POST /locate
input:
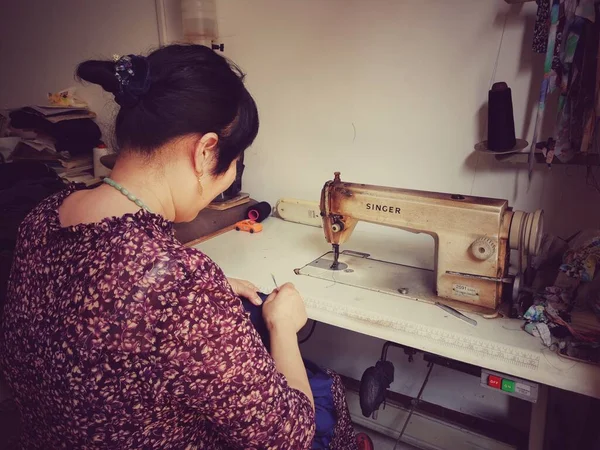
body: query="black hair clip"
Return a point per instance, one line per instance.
(133, 74)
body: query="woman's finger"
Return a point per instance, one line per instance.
(250, 291)
(243, 288)
(272, 295)
(252, 286)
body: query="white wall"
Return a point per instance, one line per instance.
(42, 42)
(392, 92)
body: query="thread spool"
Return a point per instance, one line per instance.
(259, 212)
(501, 122)
(100, 170)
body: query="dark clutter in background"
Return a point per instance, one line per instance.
(563, 307)
(63, 135)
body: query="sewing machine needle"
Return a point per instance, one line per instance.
(336, 256)
(455, 313)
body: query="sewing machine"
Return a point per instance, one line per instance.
(473, 237)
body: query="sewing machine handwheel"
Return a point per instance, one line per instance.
(537, 231)
(526, 230)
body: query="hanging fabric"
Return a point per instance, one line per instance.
(548, 76)
(542, 26)
(572, 68)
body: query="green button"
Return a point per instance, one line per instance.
(508, 385)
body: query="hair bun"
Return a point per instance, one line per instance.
(99, 72)
(133, 75)
(127, 79)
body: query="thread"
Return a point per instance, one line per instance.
(259, 212)
(501, 123)
(491, 83)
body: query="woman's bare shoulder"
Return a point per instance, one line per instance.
(92, 206)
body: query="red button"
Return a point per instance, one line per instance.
(494, 381)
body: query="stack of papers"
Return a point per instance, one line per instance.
(57, 114)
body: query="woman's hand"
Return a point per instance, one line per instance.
(284, 309)
(243, 288)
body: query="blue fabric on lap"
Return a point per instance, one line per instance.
(320, 382)
(325, 415)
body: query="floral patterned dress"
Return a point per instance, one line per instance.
(117, 336)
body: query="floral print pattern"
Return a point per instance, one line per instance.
(117, 336)
(344, 436)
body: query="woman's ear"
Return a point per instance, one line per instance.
(205, 152)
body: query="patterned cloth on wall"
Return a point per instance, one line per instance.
(572, 67)
(542, 26)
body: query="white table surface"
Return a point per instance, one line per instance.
(283, 246)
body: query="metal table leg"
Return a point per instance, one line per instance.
(537, 424)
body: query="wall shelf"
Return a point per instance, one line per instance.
(580, 159)
(520, 154)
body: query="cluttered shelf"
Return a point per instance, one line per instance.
(61, 135)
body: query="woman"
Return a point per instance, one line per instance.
(117, 336)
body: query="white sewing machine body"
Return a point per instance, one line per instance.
(473, 235)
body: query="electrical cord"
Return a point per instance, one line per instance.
(310, 333)
(414, 404)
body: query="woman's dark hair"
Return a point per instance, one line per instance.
(175, 91)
